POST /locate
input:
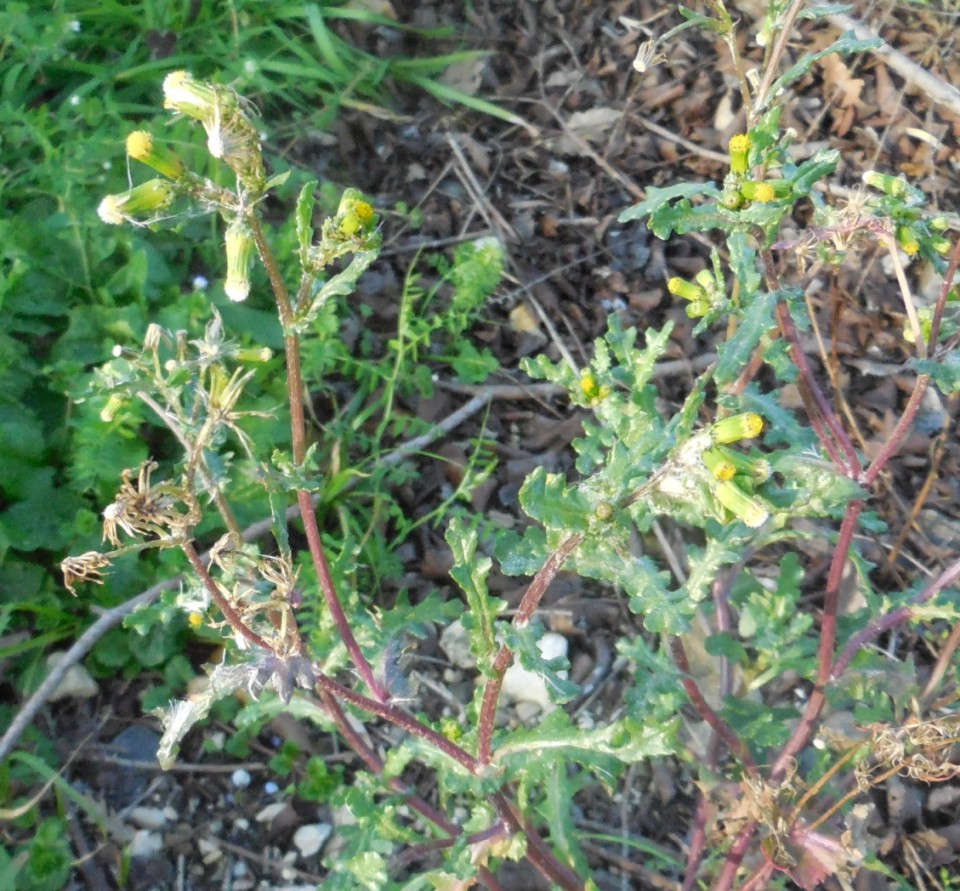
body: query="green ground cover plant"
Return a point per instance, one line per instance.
(744, 475)
(72, 288)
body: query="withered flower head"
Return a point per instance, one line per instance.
(83, 568)
(141, 508)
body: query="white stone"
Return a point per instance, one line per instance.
(270, 812)
(521, 685)
(455, 643)
(149, 817)
(240, 778)
(145, 843)
(75, 684)
(527, 711)
(210, 851)
(310, 839)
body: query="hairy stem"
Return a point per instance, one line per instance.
(537, 851)
(291, 345)
(224, 605)
(772, 61)
(528, 605)
(716, 723)
(820, 413)
(828, 637)
(895, 617)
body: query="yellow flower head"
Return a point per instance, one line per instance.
(759, 192)
(718, 465)
(355, 215)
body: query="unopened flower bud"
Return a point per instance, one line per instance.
(739, 148)
(925, 319)
(140, 201)
(894, 186)
(141, 147)
(941, 245)
(718, 465)
(109, 411)
(262, 355)
(907, 240)
(744, 507)
(696, 309)
(603, 511)
(240, 247)
(194, 98)
(743, 426)
(756, 470)
(731, 199)
(680, 287)
(705, 279)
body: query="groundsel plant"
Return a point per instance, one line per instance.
(253, 597)
(683, 511)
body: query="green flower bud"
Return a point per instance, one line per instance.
(745, 508)
(190, 97)
(907, 240)
(252, 355)
(757, 470)
(718, 465)
(925, 318)
(705, 279)
(941, 245)
(239, 243)
(732, 199)
(603, 511)
(739, 148)
(697, 309)
(451, 729)
(141, 147)
(140, 201)
(680, 287)
(894, 186)
(109, 411)
(743, 426)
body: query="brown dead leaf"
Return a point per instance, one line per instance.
(465, 76)
(591, 125)
(841, 81)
